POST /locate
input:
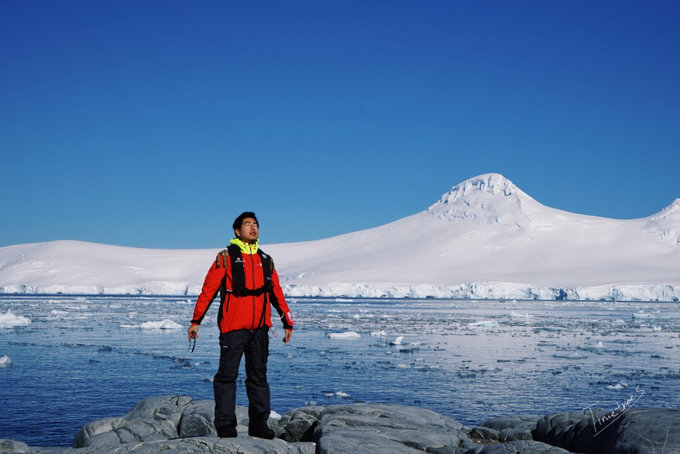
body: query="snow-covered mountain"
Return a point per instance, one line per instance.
(483, 239)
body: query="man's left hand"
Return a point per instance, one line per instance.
(287, 336)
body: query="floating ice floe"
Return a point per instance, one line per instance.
(641, 314)
(569, 355)
(380, 333)
(483, 324)
(341, 395)
(344, 336)
(397, 341)
(363, 315)
(9, 320)
(514, 314)
(163, 324)
(5, 361)
(619, 385)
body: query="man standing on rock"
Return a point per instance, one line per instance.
(248, 283)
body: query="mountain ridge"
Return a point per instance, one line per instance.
(485, 238)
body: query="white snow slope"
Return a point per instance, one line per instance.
(483, 239)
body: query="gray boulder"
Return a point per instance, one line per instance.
(380, 428)
(633, 431)
(13, 446)
(240, 445)
(506, 428)
(647, 430)
(484, 435)
(156, 419)
(519, 447)
(572, 431)
(197, 419)
(299, 424)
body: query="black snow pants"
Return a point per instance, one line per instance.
(233, 344)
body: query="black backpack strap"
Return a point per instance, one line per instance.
(267, 268)
(238, 277)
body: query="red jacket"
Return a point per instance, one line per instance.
(241, 312)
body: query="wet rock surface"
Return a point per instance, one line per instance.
(179, 424)
(633, 430)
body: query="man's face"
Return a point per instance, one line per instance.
(249, 230)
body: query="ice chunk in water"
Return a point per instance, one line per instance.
(345, 335)
(9, 320)
(397, 341)
(641, 315)
(514, 314)
(483, 324)
(164, 324)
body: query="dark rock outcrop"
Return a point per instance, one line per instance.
(507, 428)
(629, 431)
(379, 428)
(519, 447)
(178, 424)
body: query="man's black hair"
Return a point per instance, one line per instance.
(238, 222)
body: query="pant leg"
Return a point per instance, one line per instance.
(224, 384)
(257, 353)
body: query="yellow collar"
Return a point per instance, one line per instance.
(246, 248)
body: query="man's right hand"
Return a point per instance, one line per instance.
(193, 332)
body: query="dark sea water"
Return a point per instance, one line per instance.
(85, 358)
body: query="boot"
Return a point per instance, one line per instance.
(227, 432)
(261, 431)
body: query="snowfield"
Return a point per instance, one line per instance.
(484, 239)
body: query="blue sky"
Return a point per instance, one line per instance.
(155, 123)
